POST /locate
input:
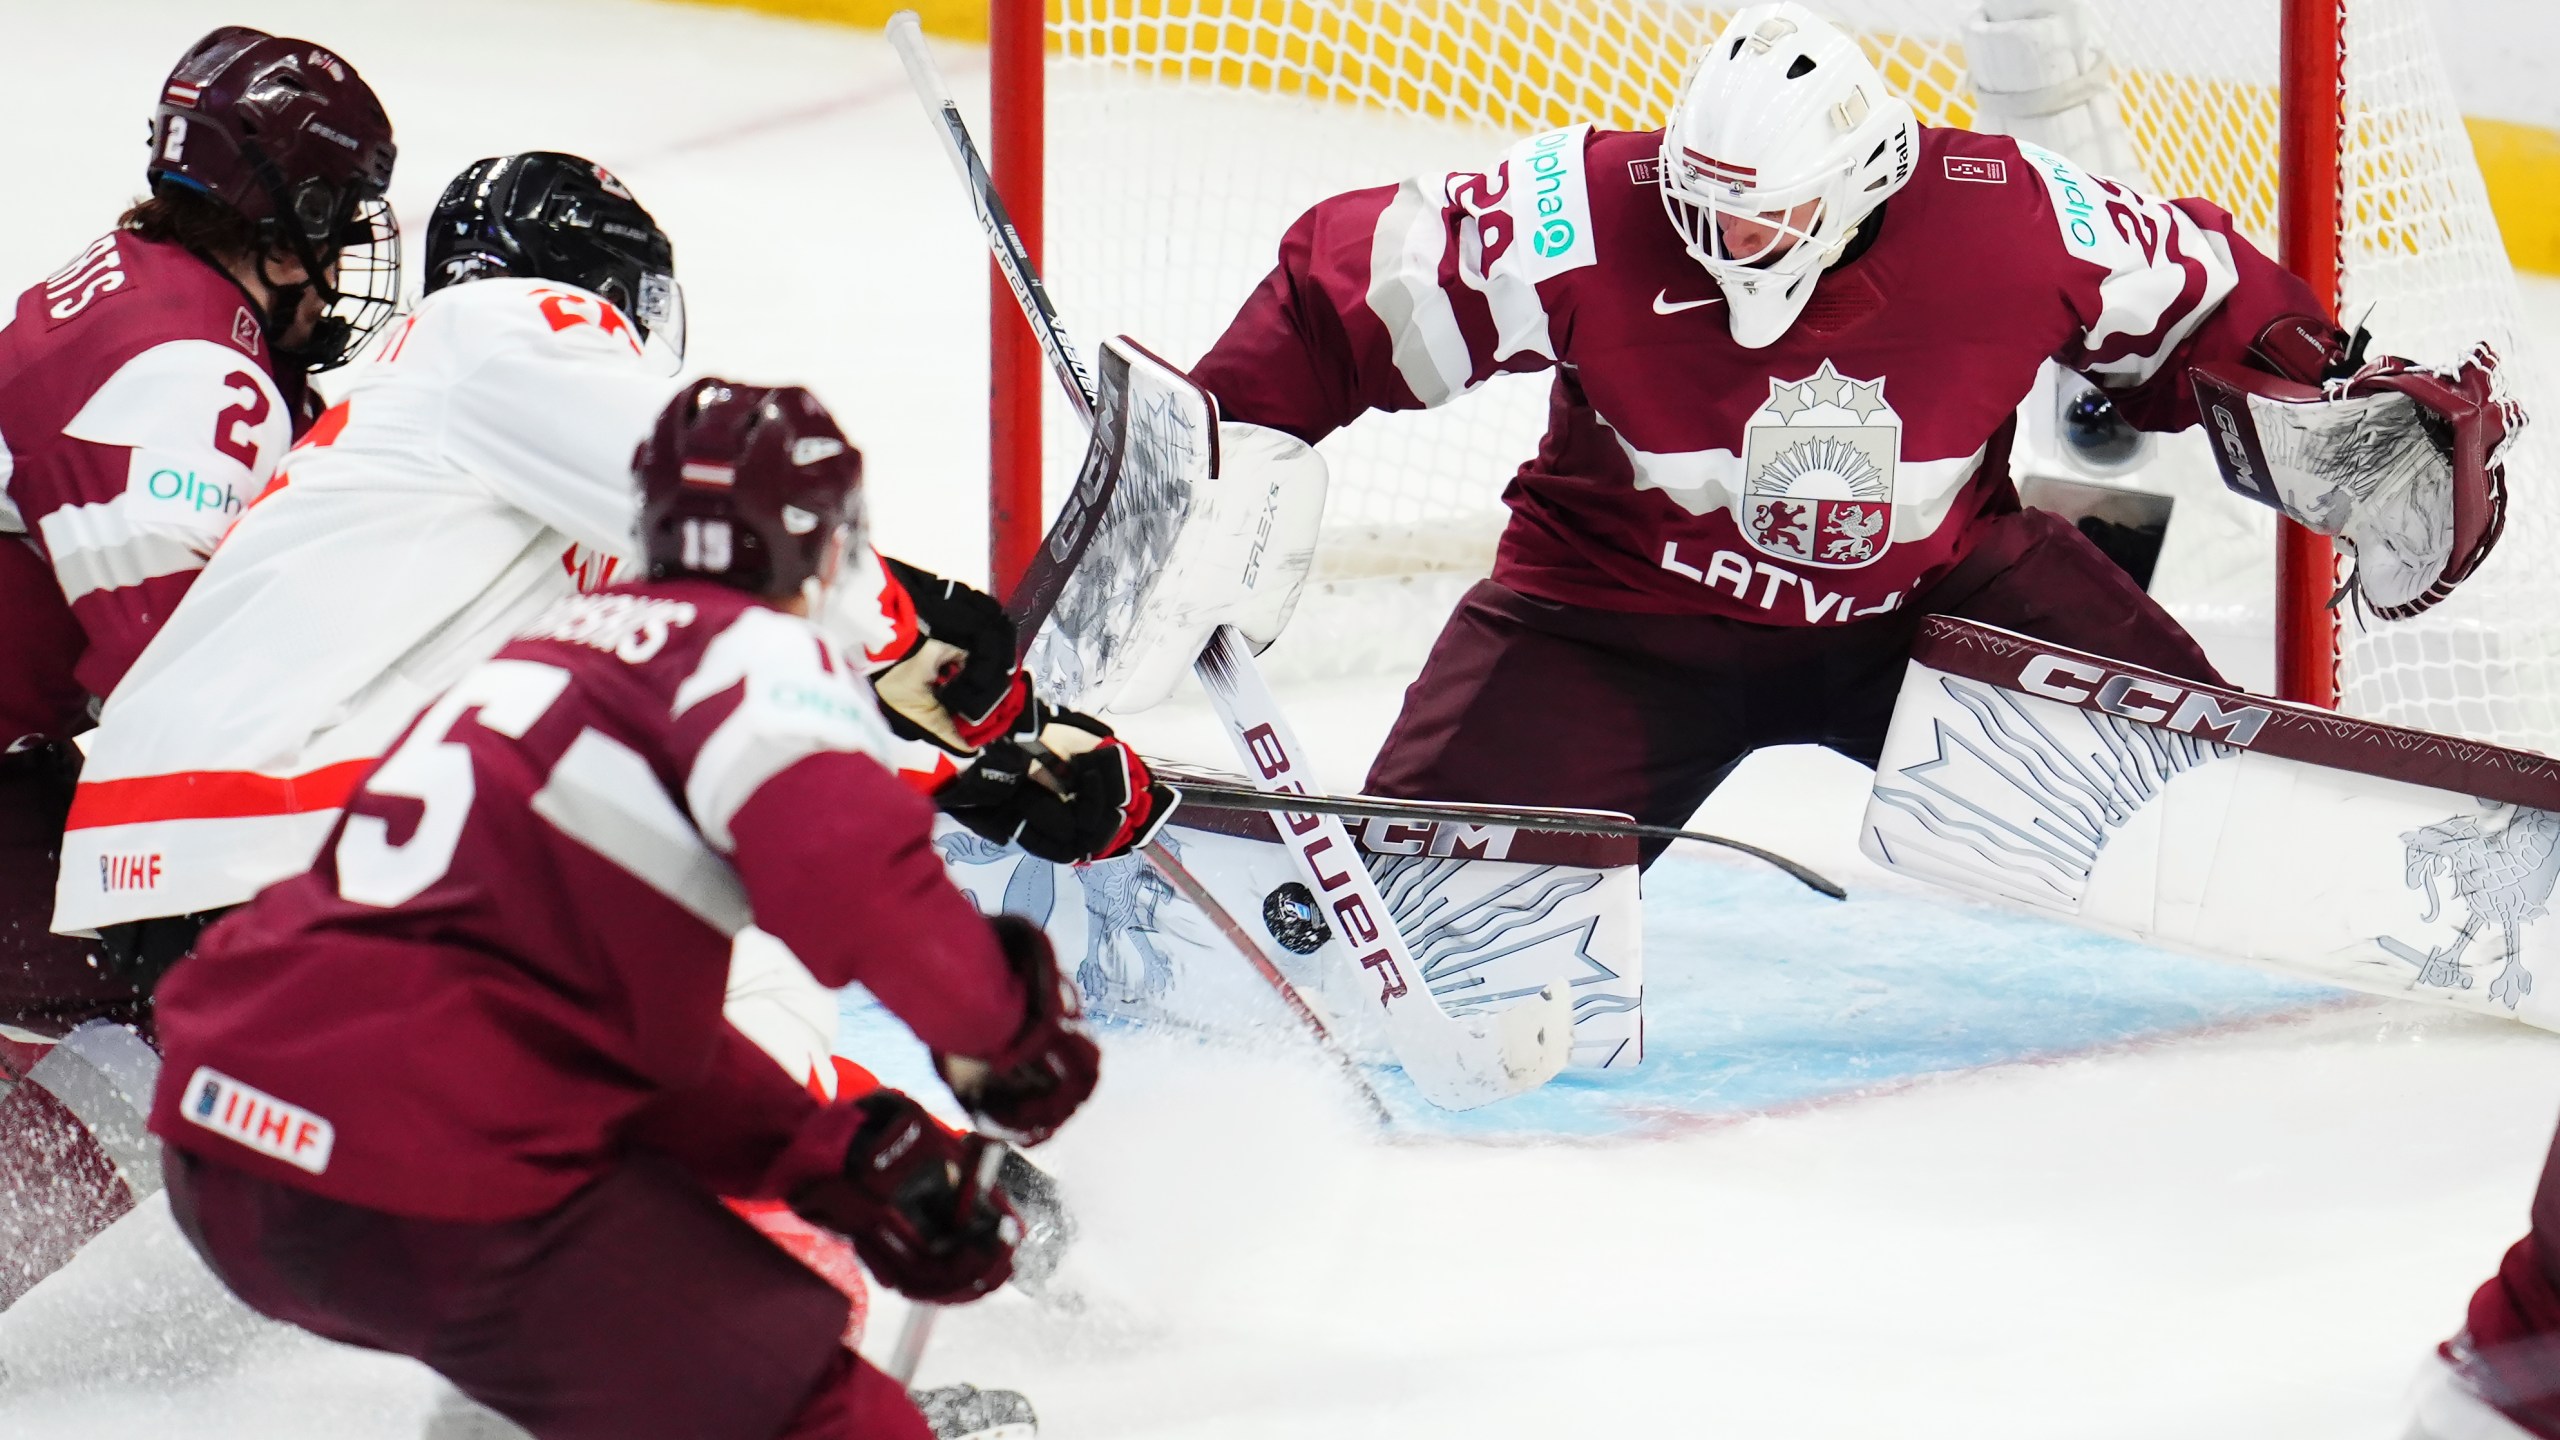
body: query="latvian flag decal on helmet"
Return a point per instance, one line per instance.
(184, 95)
(1740, 177)
(721, 477)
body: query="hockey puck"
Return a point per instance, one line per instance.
(1290, 914)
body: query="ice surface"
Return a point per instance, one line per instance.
(1898, 1167)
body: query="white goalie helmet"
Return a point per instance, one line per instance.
(1784, 138)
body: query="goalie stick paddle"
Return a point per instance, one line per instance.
(1214, 793)
(1457, 1063)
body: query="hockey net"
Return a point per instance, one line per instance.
(1182, 137)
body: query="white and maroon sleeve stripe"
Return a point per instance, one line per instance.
(794, 697)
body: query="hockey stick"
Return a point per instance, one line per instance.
(1227, 794)
(1457, 1063)
(906, 32)
(1081, 516)
(1188, 886)
(908, 1354)
(1038, 592)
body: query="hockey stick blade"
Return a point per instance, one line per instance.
(1226, 794)
(1457, 1062)
(1189, 887)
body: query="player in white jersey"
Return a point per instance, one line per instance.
(475, 471)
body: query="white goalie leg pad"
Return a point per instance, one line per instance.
(2361, 855)
(1489, 913)
(1240, 557)
(2038, 73)
(775, 1002)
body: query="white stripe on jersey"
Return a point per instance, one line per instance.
(605, 797)
(1405, 294)
(795, 705)
(103, 547)
(11, 522)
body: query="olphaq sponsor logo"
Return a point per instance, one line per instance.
(1550, 166)
(2070, 188)
(186, 488)
(258, 1120)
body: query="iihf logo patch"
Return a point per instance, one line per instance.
(1818, 463)
(249, 1116)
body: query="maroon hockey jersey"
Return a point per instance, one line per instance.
(140, 413)
(1825, 478)
(506, 967)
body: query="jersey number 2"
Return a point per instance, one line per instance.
(436, 771)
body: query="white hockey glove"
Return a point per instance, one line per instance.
(2406, 466)
(1240, 558)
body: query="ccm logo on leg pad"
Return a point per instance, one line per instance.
(2142, 698)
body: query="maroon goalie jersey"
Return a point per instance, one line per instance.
(1825, 478)
(506, 968)
(140, 413)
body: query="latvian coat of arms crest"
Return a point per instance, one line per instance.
(1818, 462)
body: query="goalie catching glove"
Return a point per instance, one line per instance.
(910, 1198)
(1028, 1089)
(1057, 783)
(2404, 465)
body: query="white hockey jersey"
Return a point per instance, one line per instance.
(477, 469)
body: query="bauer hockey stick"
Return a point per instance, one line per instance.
(1213, 793)
(1456, 1062)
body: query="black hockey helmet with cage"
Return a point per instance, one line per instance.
(751, 486)
(542, 215)
(287, 135)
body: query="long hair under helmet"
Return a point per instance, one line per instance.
(1783, 109)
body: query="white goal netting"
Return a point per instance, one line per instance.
(1184, 135)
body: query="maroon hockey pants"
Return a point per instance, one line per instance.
(639, 1306)
(2515, 1318)
(59, 1187)
(48, 983)
(1531, 702)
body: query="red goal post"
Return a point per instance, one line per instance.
(2359, 179)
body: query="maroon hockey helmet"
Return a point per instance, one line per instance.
(288, 135)
(749, 485)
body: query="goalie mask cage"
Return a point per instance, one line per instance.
(1161, 147)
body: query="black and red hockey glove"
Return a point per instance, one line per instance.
(1069, 793)
(958, 686)
(918, 1204)
(1026, 1091)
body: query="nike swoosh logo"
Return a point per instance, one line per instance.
(1662, 303)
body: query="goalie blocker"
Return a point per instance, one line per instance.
(2383, 859)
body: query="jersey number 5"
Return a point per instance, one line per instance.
(435, 770)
